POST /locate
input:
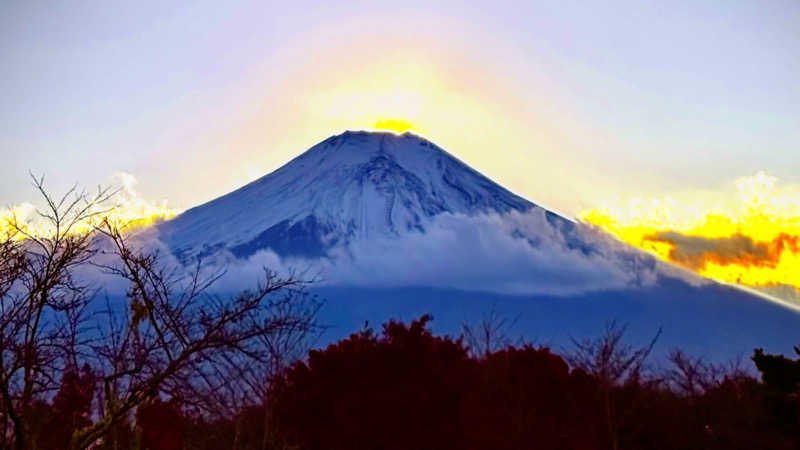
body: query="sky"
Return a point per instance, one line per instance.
(673, 125)
(566, 103)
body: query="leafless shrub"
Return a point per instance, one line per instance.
(492, 333)
(611, 361)
(692, 376)
(42, 303)
(177, 339)
(608, 357)
(169, 337)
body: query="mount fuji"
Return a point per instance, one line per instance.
(353, 186)
(398, 227)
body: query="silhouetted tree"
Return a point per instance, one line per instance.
(171, 338)
(490, 334)
(42, 302)
(527, 397)
(400, 390)
(611, 361)
(781, 377)
(161, 425)
(178, 340)
(72, 406)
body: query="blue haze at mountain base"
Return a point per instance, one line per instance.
(713, 321)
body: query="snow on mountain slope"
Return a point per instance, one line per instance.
(353, 186)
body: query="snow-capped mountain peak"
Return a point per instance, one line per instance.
(350, 186)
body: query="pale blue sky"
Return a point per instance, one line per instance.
(564, 102)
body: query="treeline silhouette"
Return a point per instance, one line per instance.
(407, 388)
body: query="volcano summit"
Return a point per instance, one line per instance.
(353, 186)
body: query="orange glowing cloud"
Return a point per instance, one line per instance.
(756, 242)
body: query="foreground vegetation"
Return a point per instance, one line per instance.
(407, 388)
(75, 370)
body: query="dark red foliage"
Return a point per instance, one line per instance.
(401, 390)
(527, 397)
(161, 425)
(409, 389)
(71, 407)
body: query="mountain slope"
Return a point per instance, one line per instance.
(356, 185)
(398, 227)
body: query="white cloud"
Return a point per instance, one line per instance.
(516, 253)
(489, 253)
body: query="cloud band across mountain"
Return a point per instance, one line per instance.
(514, 253)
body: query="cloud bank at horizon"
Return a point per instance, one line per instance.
(753, 242)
